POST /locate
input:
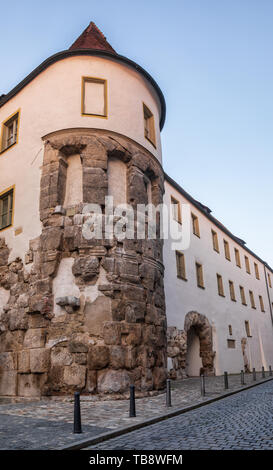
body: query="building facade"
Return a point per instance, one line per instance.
(95, 314)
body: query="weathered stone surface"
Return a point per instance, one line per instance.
(18, 319)
(96, 314)
(98, 357)
(35, 338)
(112, 332)
(117, 357)
(75, 375)
(8, 361)
(39, 360)
(91, 381)
(60, 356)
(113, 381)
(31, 385)
(8, 382)
(23, 361)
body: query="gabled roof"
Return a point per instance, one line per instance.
(92, 38)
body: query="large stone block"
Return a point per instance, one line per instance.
(8, 382)
(11, 341)
(60, 356)
(31, 385)
(112, 332)
(35, 338)
(23, 361)
(98, 357)
(75, 375)
(39, 360)
(18, 319)
(8, 361)
(113, 381)
(97, 313)
(117, 357)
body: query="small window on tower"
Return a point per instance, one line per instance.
(6, 208)
(149, 125)
(9, 132)
(94, 97)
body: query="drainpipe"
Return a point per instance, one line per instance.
(267, 287)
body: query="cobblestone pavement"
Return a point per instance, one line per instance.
(47, 423)
(239, 422)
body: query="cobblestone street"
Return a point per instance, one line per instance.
(48, 423)
(242, 421)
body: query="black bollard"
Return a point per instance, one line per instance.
(132, 412)
(77, 414)
(263, 373)
(168, 394)
(203, 389)
(226, 380)
(270, 371)
(254, 373)
(242, 377)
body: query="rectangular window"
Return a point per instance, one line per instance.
(94, 97)
(6, 208)
(247, 328)
(243, 297)
(215, 241)
(220, 285)
(149, 125)
(226, 248)
(195, 225)
(9, 133)
(176, 211)
(269, 280)
(199, 275)
(247, 265)
(261, 303)
(257, 274)
(237, 257)
(232, 291)
(231, 343)
(230, 330)
(180, 265)
(252, 300)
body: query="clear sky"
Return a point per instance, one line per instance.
(213, 61)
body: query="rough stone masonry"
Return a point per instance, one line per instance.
(113, 332)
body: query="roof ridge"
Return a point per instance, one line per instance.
(92, 38)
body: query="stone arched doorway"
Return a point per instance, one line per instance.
(199, 356)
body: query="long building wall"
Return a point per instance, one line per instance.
(184, 296)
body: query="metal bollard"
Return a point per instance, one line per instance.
(254, 373)
(263, 373)
(168, 394)
(270, 371)
(77, 414)
(226, 380)
(203, 389)
(242, 377)
(132, 412)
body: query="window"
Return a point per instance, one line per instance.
(6, 208)
(149, 125)
(176, 211)
(180, 265)
(269, 280)
(9, 134)
(231, 343)
(215, 241)
(232, 291)
(195, 225)
(230, 330)
(199, 275)
(94, 97)
(243, 297)
(220, 285)
(226, 248)
(252, 300)
(257, 274)
(237, 257)
(247, 265)
(247, 328)
(261, 303)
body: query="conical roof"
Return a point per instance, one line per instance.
(92, 38)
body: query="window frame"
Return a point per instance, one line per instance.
(232, 291)
(220, 285)
(151, 134)
(6, 192)
(226, 250)
(95, 80)
(180, 273)
(247, 265)
(247, 329)
(175, 202)
(199, 275)
(261, 301)
(252, 299)
(243, 295)
(215, 241)
(195, 225)
(12, 118)
(237, 257)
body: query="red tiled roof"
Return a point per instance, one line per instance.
(92, 38)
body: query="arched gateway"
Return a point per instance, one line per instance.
(183, 347)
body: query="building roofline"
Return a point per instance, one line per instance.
(87, 52)
(207, 213)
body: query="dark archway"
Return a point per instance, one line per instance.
(199, 324)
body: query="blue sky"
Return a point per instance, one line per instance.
(213, 62)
